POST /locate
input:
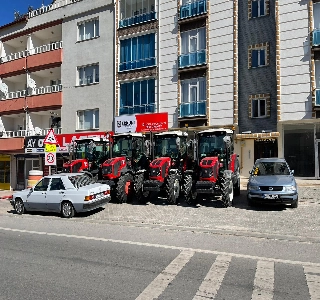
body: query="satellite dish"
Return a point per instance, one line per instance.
(37, 130)
(3, 90)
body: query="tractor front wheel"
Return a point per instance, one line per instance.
(187, 191)
(227, 191)
(141, 196)
(124, 189)
(172, 188)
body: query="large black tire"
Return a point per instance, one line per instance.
(236, 187)
(227, 191)
(172, 188)
(187, 191)
(67, 209)
(124, 189)
(19, 206)
(142, 197)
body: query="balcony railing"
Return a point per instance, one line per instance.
(23, 133)
(37, 50)
(137, 64)
(192, 59)
(137, 109)
(317, 97)
(193, 109)
(316, 37)
(35, 91)
(193, 9)
(138, 19)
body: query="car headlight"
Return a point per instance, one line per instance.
(253, 188)
(291, 188)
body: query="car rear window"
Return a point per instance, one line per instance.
(81, 180)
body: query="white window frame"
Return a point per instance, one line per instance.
(259, 6)
(259, 100)
(192, 85)
(84, 79)
(189, 36)
(81, 122)
(96, 29)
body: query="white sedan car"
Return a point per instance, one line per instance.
(65, 193)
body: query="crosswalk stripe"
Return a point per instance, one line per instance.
(160, 283)
(212, 282)
(313, 281)
(263, 285)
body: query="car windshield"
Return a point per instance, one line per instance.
(270, 168)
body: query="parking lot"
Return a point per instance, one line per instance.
(281, 222)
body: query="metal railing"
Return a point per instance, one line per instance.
(193, 9)
(137, 64)
(192, 59)
(139, 18)
(33, 92)
(317, 97)
(137, 109)
(36, 50)
(316, 37)
(24, 133)
(197, 108)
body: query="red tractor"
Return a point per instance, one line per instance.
(127, 168)
(87, 155)
(217, 171)
(166, 170)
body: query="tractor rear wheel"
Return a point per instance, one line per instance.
(124, 189)
(227, 191)
(141, 196)
(172, 188)
(187, 191)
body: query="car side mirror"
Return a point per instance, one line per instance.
(292, 172)
(250, 172)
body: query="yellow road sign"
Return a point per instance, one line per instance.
(50, 148)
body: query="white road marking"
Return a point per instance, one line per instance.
(292, 262)
(263, 285)
(212, 282)
(160, 283)
(313, 281)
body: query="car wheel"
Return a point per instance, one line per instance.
(294, 204)
(19, 206)
(67, 209)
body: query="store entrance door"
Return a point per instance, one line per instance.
(5, 172)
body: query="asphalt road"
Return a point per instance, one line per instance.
(156, 251)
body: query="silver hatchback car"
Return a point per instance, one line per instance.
(272, 182)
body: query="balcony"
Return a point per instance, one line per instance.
(193, 109)
(193, 9)
(36, 58)
(42, 98)
(138, 19)
(137, 109)
(12, 145)
(137, 64)
(24, 133)
(317, 97)
(192, 59)
(316, 37)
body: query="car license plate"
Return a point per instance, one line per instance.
(270, 196)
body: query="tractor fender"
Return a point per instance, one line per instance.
(172, 171)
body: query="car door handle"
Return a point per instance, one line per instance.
(61, 192)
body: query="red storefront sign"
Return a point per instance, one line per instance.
(152, 122)
(65, 139)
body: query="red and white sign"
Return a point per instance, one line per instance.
(50, 158)
(141, 123)
(50, 138)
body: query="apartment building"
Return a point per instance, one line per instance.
(278, 80)
(56, 70)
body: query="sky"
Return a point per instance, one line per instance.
(8, 7)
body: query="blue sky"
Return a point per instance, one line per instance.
(8, 7)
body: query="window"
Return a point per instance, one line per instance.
(258, 58)
(88, 74)
(88, 30)
(42, 185)
(137, 97)
(259, 106)
(56, 184)
(88, 119)
(193, 40)
(138, 52)
(135, 7)
(258, 8)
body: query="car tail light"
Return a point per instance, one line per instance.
(88, 198)
(107, 192)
